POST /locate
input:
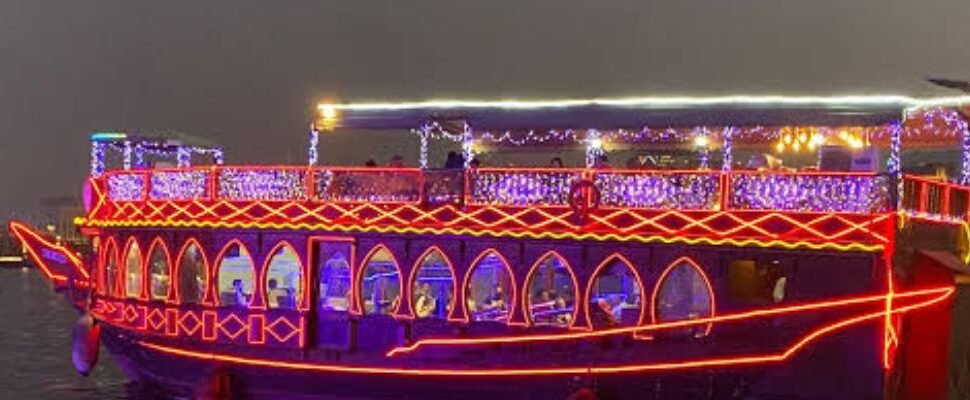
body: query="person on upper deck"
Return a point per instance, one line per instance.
(556, 162)
(396, 162)
(602, 162)
(370, 163)
(454, 161)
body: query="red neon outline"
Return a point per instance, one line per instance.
(527, 302)
(20, 230)
(414, 275)
(471, 270)
(206, 272)
(214, 285)
(265, 275)
(132, 243)
(663, 276)
(668, 366)
(573, 335)
(359, 284)
(158, 241)
(636, 275)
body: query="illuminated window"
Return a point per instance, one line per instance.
(756, 283)
(380, 284)
(235, 277)
(133, 273)
(192, 275)
(489, 289)
(433, 288)
(158, 272)
(551, 293)
(335, 283)
(615, 296)
(110, 275)
(284, 287)
(684, 293)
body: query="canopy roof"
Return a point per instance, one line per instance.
(632, 113)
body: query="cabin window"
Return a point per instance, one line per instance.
(615, 295)
(380, 286)
(158, 272)
(335, 283)
(192, 274)
(684, 293)
(756, 283)
(489, 290)
(235, 277)
(110, 275)
(133, 274)
(284, 287)
(433, 288)
(551, 293)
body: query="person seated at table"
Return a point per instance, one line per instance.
(239, 294)
(562, 314)
(424, 305)
(602, 316)
(278, 297)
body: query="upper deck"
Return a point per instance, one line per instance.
(705, 204)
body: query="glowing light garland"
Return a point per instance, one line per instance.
(262, 184)
(126, 187)
(183, 157)
(126, 150)
(659, 191)
(521, 188)
(312, 153)
(855, 194)
(179, 185)
(388, 186)
(97, 158)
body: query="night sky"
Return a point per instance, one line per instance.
(246, 74)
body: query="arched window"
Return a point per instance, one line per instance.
(489, 289)
(380, 284)
(110, 274)
(683, 292)
(133, 274)
(235, 277)
(335, 283)
(615, 295)
(193, 279)
(551, 296)
(433, 286)
(159, 271)
(284, 278)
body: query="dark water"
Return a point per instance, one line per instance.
(35, 346)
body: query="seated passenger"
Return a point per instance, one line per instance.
(601, 316)
(562, 314)
(239, 294)
(424, 305)
(278, 297)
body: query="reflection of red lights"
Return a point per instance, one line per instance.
(707, 284)
(874, 299)
(30, 238)
(943, 293)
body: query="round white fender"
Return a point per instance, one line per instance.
(86, 343)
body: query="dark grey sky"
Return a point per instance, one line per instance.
(246, 73)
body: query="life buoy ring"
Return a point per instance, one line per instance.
(584, 197)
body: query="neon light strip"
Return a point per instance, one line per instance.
(471, 232)
(22, 231)
(668, 325)
(741, 360)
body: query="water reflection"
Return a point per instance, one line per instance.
(35, 347)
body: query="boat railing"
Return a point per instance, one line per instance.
(935, 198)
(700, 190)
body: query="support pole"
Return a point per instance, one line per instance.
(312, 152)
(97, 158)
(467, 144)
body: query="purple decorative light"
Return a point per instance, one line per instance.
(658, 190)
(126, 187)
(368, 186)
(262, 184)
(524, 188)
(179, 185)
(821, 193)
